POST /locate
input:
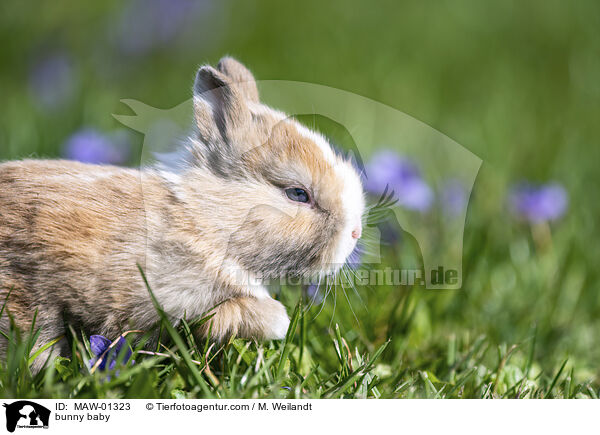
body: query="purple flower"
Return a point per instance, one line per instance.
(100, 345)
(539, 203)
(387, 168)
(314, 293)
(390, 231)
(453, 198)
(147, 24)
(355, 258)
(91, 146)
(51, 80)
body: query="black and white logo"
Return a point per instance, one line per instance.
(25, 414)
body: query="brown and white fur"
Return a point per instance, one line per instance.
(72, 234)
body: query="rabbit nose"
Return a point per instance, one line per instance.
(356, 232)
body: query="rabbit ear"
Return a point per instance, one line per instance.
(220, 110)
(240, 76)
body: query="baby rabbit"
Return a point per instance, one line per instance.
(253, 194)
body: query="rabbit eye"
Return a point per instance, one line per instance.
(297, 194)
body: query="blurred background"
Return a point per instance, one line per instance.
(516, 83)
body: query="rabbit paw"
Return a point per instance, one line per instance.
(249, 317)
(275, 321)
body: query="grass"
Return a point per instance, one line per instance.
(515, 83)
(319, 358)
